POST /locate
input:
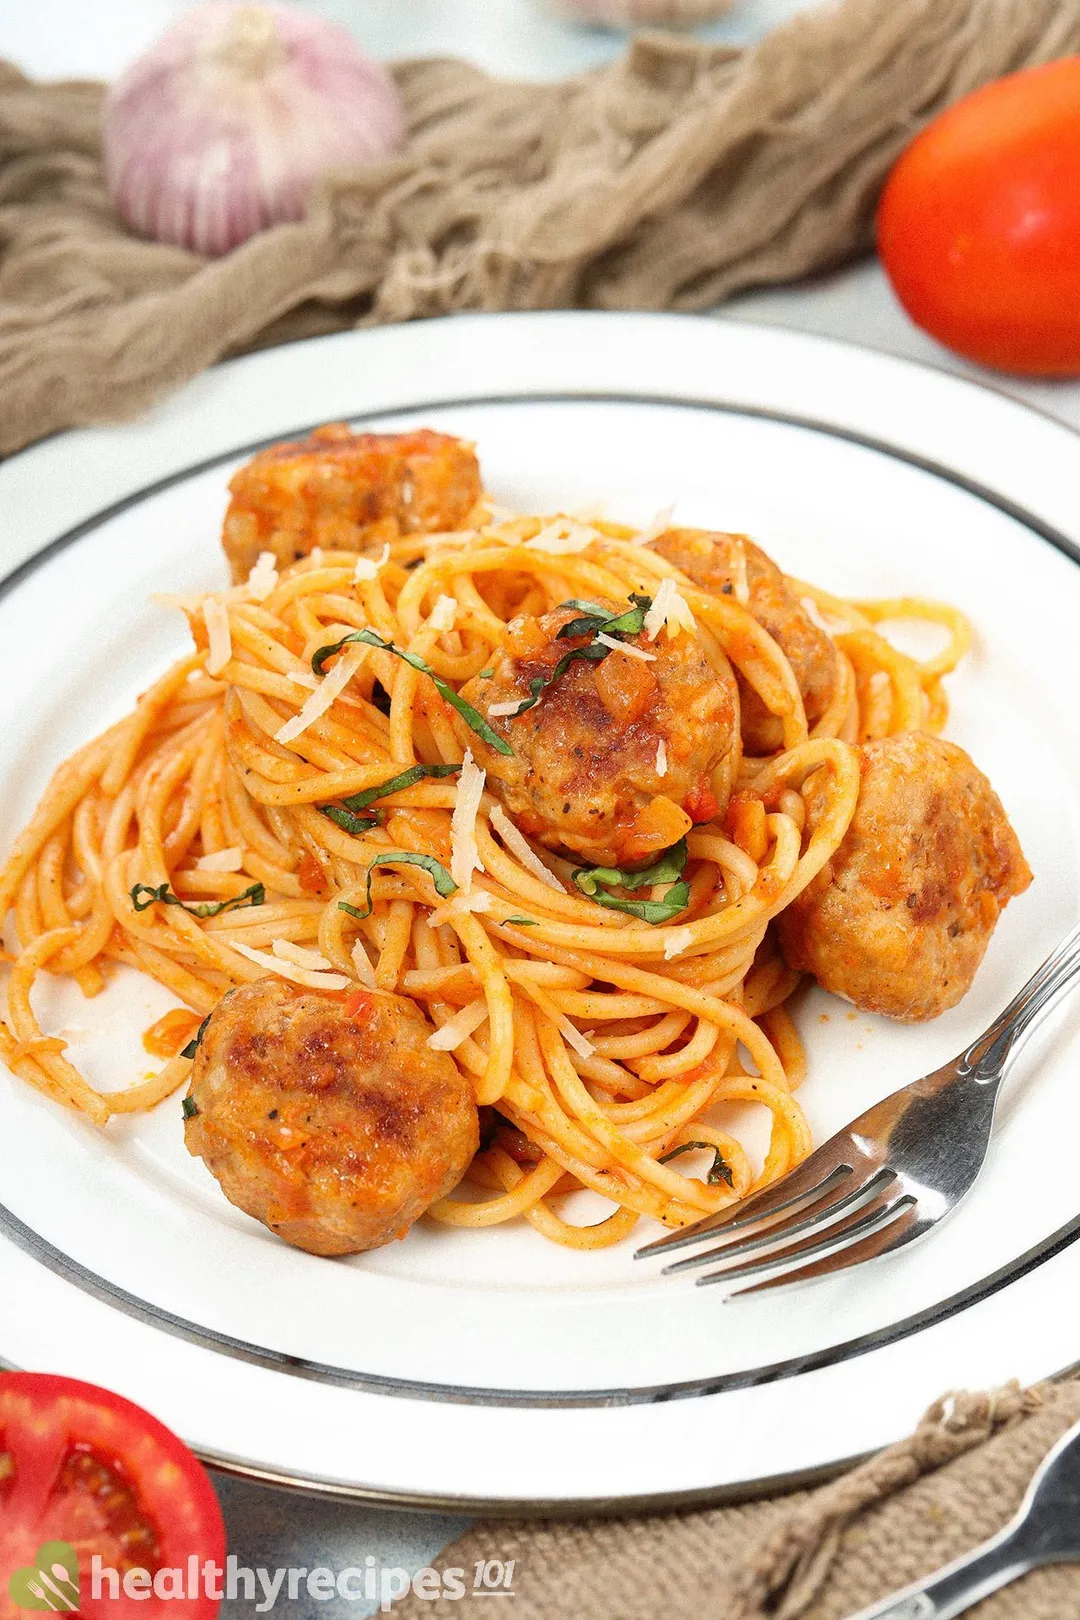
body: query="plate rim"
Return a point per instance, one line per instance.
(1046, 1250)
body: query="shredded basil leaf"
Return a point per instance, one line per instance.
(594, 654)
(347, 821)
(520, 922)
(189, 1104)
(719, 1170)
(369, 638)
(667, 869)
(343, 814)
(486, 674)
(595, 620)
(397, 784)
(595, 881)
(651, 911)
(193, 1045)
(253, 896)
(444, 883)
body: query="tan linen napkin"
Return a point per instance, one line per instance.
(668, 180)
(817, 1555)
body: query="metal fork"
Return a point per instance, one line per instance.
(1046, 1530)
(889, 1176)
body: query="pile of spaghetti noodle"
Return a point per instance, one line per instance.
(192, 842)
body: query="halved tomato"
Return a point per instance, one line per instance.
(82, 1469)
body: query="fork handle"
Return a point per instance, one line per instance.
(958, 1587)
(988, 1057)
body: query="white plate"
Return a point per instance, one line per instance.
(490, 1368)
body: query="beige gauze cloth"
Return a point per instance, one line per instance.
(668, 180)
(818, 1555)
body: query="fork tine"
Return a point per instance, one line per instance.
(810, 1180)
(891, 1236)
(861, 1223)
(823, 1212)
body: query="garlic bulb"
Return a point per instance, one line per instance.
(223, 127)
(641, 13)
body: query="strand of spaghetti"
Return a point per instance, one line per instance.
(78, 958)
(918, 607)
(135, 1099)
(791, 1140)
(620, 1187)
(731, 1152)
(870, 653)
(478, 948)
(68, 785)
(395, 943)
(655, 1037)
(697, 1049)
(24, 1026)
(494, 1211)
(178, 840)
(128, 737)
(601, 1235)
(590, 1114)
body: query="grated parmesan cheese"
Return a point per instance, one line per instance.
(222, 860)
(460, 1027)
(623, 647)
(368, 567)
(263, 577)
(562, 537)
(460, 906)
(679, 940)
(216, 620)
(658, 526)
(304, 677)
(323, 696)
(661, 758)
(314, 961)
(669, 608)
(496, 710)
(739, 579)
(285, 970)
(574, 1038)
(519, 846)
(443, 614)
(464, 855)
(362, 963)
(814, 614)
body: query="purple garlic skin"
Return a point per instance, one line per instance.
(223, 127)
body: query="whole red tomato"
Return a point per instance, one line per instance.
(979, 224)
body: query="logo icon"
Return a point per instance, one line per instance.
(50, 1582)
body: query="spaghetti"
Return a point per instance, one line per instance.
(291, 797)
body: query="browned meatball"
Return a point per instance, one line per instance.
(342, 490)
(328, 1118)
(899, 919)
(713, 562)
(585, 773)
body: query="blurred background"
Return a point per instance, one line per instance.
(516, 37)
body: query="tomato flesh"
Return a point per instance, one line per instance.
(979, 224)
(82, 1466)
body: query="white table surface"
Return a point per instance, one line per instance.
(97, 38)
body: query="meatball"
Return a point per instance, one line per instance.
(714, 562)
(618, 757)
(328, 1118)
(899, 919)
(341, 490)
